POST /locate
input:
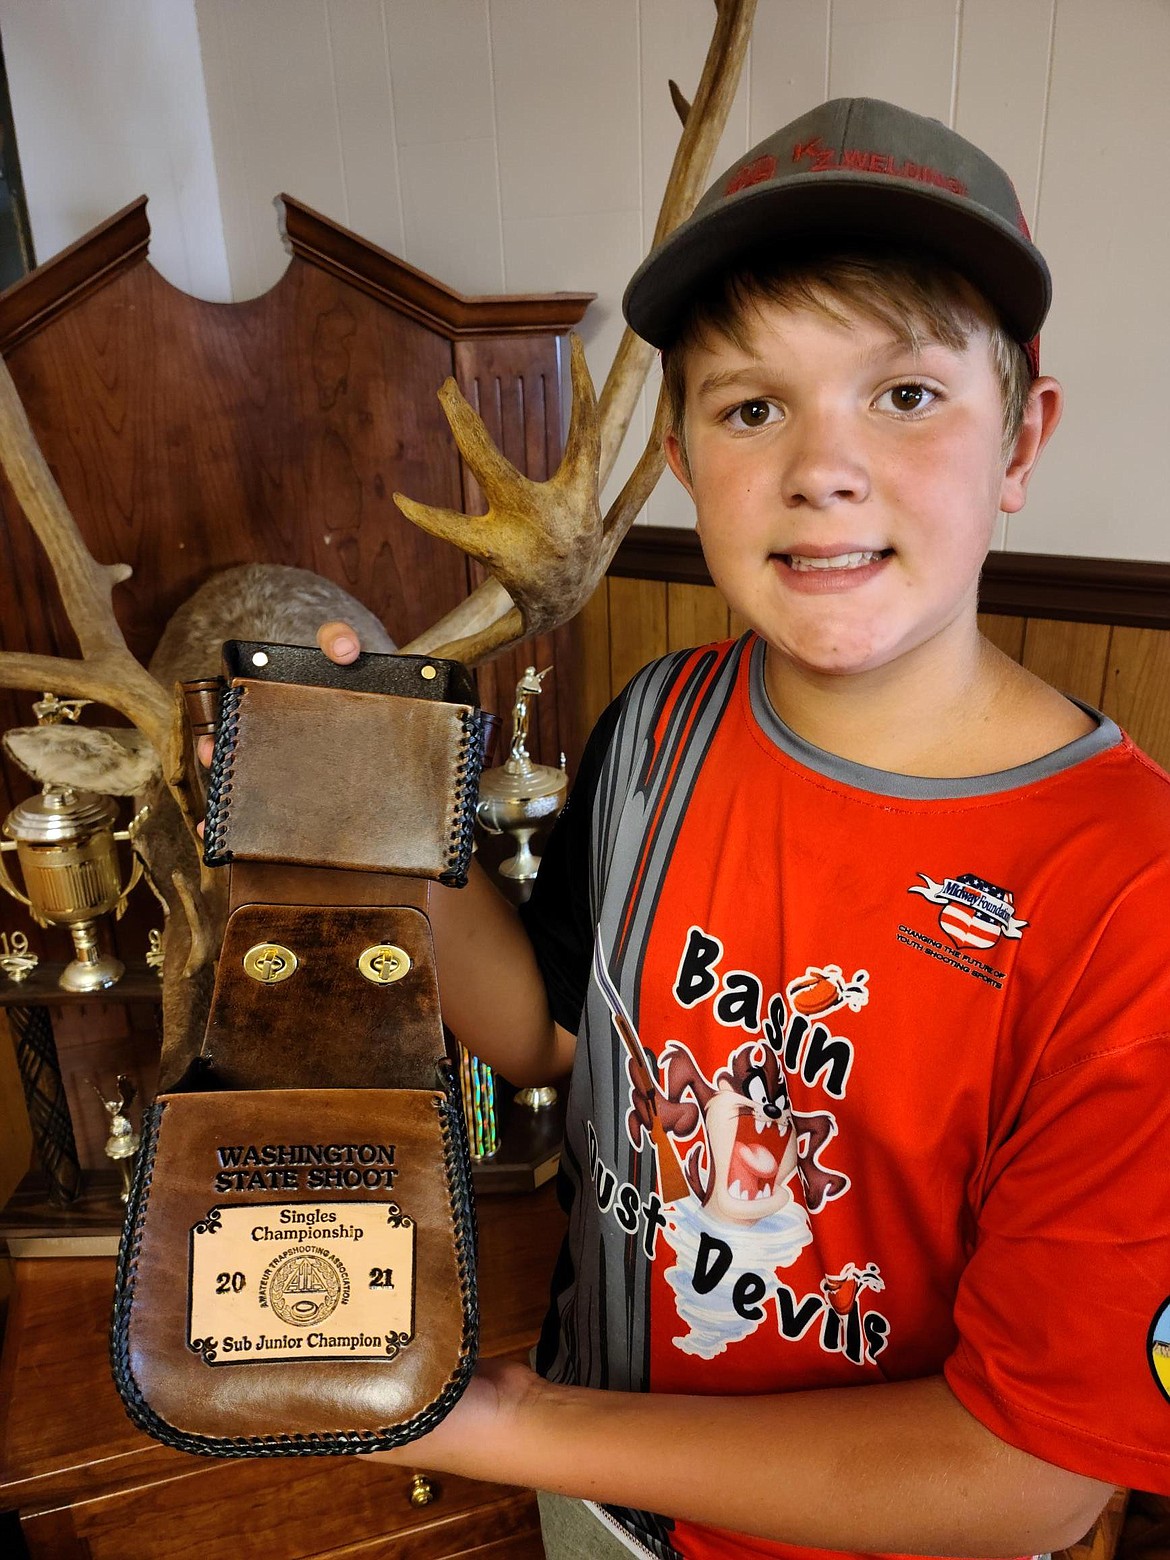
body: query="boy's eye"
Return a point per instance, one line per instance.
(905, 398)
(751, 414)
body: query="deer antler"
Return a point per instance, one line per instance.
(545, 543)
(106, 672)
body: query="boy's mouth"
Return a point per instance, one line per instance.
(838, 561)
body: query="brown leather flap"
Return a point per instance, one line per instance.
(297, 1263)
(333, 778)
(308, 1017)
(292, 883)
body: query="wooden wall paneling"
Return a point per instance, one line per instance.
(1084, 590)
(637, 627)
(695, 615)
(593, 667)
(1070, 656)
(1006, 633)
(1137, 688)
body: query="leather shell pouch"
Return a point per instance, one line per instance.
(297, 1267)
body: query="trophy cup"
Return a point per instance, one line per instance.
(65, 843)
(517, 796)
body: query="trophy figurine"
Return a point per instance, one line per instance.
(15, 959)
(518, 795)
(122, 1143)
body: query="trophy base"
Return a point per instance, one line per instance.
(525, 864)
(82, 975)
(542, 1097)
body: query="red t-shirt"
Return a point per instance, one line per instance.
(907, 1106)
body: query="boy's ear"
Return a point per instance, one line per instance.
(676, 460)
(1041, 416)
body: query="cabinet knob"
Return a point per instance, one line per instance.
(422, 1490)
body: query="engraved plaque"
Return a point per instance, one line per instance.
(301, 1281)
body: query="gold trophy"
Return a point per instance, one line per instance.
(517, 796)
(65, 843)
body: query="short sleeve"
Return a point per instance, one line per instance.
(558, 916)
(1066, 1298)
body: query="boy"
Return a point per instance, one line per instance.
(854, 933)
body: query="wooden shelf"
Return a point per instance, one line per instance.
(40, 989)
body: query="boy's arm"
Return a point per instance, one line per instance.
(899, 1467)
(494, 999)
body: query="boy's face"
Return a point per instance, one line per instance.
(847, 487)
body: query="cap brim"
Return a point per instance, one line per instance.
(841, 208)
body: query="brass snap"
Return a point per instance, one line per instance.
(269, 963)
(429, 673)
(384, 963)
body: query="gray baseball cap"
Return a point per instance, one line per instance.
(853, 170)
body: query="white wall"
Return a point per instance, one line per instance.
(109, 103)
(517, 145)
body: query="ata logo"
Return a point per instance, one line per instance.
(304, 1286)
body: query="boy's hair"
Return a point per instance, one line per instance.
(917, 300)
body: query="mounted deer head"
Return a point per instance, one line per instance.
(546, 546)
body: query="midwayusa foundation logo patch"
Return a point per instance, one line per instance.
(972, 912)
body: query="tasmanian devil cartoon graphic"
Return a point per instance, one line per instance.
(752, 1140)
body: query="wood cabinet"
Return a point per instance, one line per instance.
(86, 1483)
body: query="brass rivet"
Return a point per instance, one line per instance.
(269, 963)
(260, 658)
(384, 963)
(429, 672)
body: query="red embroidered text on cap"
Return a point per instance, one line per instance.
(751, 173)
(855, 160)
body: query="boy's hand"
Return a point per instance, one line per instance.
(339, 642)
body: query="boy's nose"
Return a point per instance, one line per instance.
(823, 465)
